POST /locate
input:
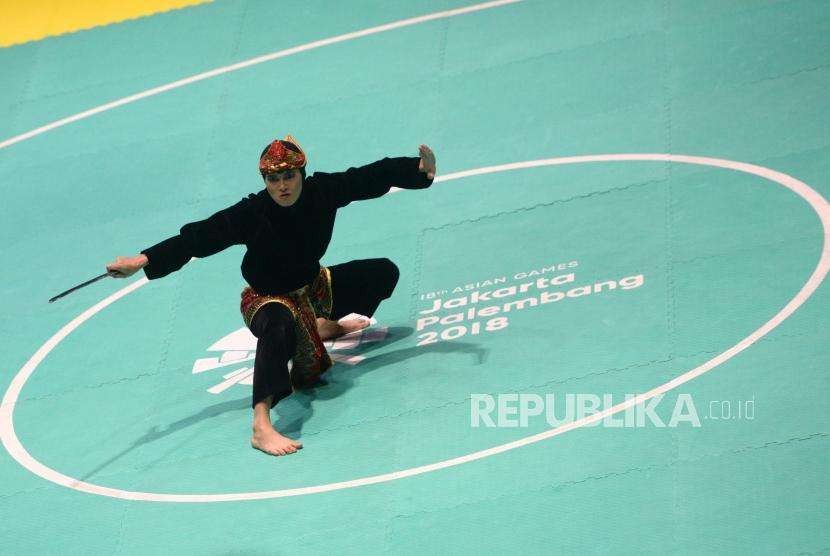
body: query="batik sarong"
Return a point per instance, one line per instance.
(306, 304)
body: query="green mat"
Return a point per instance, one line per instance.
(127, 431)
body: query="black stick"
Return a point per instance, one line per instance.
(79, 286)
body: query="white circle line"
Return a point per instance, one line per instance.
(815, 200)
(252, 62)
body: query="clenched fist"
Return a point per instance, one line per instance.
(427, 162)
(123, 267)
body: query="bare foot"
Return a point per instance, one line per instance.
(329, 329)
(268, 440)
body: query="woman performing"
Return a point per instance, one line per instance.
(292, 303)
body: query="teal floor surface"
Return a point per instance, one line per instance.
(572, 281)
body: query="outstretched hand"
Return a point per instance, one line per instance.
(122, 267)
(427, 163)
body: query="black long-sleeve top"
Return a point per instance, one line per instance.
(284, 244)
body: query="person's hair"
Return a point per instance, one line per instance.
(290, 146)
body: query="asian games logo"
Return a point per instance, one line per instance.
(235, 354)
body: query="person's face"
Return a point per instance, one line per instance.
(284, 187)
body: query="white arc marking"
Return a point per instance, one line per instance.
(815, 200)
(252, 62)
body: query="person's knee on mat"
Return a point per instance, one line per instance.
(390, 274)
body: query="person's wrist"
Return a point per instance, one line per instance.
(143, 260)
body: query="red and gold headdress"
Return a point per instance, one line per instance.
(282, 154)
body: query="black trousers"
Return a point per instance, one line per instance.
(356, 287)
